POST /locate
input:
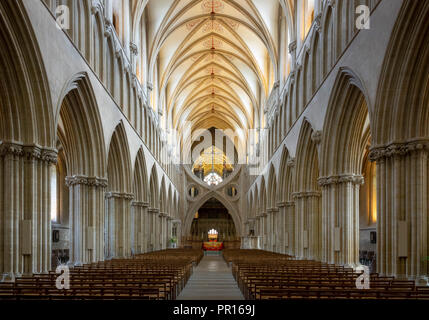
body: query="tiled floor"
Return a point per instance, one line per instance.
(212, 280)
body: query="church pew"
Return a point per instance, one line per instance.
(159, 275)
(268, 275)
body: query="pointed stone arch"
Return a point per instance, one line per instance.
(273, 217)
(140, 182)
(286, 204)
(347, 119)
(27, 144)
(81, 137)
(285, 177)
(403, 93)
(307, 196)
(77, 113)
(345, 143)
(256, 200)
(119, 162)
(272, 194)
(163, 196)
(26, 115)
(119, 196)
(139, 211)
(401, 144)
(226, 203)
(154, 189)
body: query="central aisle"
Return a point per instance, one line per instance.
(212, 280)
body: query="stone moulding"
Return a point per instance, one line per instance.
(123, 195)
(286, 204)
(306, 194)
(338, 179)
(398, 149)
(89, 181)
(31, 152)
(142, 204)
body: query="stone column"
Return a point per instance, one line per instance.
(402, 208)
(169, 230)
(86, 207)
(282, 228)
(264, 217)
(154, 229)
(177, 224)
(25, 209)
(290, 233)
(307, 225)
(340, 219)
(119, 219)
(268, 230)
(138, 227)
(134, 51)
(273, 232)
(292, 51)
(162, 235)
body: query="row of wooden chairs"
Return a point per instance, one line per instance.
(267, 275)
(159, 275)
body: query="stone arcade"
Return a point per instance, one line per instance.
(329, 128)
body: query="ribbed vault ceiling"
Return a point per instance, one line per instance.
(215, 60)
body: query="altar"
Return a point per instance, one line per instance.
(212, 245)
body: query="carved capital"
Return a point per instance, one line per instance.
(84, 180)
(119, 195)
(108, 28)
(153, 210)
(398, 149)
(306, 194)
(11, 149)
(133, 48)
(317, 22)
(272, 210)
(356, 179)
(32, 152)
(316, 137)
(97, 182)
(141, 204)
(149, 86)
(291, 162)
(290, 204)
(49, 155)
(292, 47)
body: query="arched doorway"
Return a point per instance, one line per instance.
(212, 218)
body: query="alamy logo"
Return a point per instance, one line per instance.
(62, 14)
(362, 282)
(63, 280)
(362, 21)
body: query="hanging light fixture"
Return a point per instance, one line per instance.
(213, 179)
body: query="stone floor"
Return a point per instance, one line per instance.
(212, 280)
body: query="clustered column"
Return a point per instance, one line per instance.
(402, 208)
(307, 224)
(272, 228)
(290, 227)
(25, 194)
(118, 209)
(264, 219)
(154, 227)
(282, 228)
(86, 196)
(139, 234)
(340, 219)
(163, 230)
